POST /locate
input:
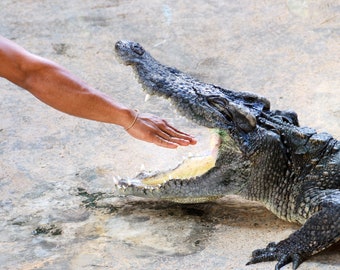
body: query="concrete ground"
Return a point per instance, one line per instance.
(56, 170)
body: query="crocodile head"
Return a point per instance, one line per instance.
(233, 114)
(206, 104)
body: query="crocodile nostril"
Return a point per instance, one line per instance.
(138, 49)
(118, 44)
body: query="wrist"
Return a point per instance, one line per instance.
(127, 118)
(129, 126)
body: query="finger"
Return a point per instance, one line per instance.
(165, 143)
(179, 141)
(173, 130)
(169, 136)
(164, 126)
(177, 136)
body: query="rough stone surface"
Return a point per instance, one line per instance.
(284, 50)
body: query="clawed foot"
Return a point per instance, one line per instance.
(273, 252)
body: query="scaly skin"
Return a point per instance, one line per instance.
(264, 156)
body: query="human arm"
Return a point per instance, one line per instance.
(57, 87)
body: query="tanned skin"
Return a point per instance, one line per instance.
(58, 88)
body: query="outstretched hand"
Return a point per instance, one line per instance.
(57, 87)
(155, 130)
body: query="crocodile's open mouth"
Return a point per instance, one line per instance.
(197, 179)
(190, 168)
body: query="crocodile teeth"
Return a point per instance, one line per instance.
(115, 180)
(147, 97)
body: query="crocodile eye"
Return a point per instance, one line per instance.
(138, 49)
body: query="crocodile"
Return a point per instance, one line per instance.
(262, 155)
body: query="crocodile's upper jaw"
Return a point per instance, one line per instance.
(205, 104)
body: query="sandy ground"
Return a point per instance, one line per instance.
(285, 50)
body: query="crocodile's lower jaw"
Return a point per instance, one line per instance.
(193, 200)
(188, 170)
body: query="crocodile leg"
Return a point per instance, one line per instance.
(319, 232)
